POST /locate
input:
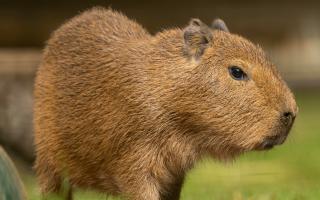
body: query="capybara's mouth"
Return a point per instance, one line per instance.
(271, 141)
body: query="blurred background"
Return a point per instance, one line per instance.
(288, 30)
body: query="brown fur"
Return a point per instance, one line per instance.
(128, 113)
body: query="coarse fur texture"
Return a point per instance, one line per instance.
(127, 113)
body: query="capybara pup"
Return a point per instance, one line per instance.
(129, 113)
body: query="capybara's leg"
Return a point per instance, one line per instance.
(173, 192)
(69, 194)
(138, 190)
(48, 178)
(145, 195)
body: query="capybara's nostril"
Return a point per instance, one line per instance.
(288, 118)
(288, 114)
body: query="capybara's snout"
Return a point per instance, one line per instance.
(282, 128)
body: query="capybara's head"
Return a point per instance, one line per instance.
(236, 100)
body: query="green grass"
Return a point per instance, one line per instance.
(288, 172)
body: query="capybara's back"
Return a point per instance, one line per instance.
(129, 113)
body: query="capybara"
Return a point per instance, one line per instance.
(129, 113)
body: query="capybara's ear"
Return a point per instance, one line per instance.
(197, 37)
(218, 24)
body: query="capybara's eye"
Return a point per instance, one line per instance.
(237, 73)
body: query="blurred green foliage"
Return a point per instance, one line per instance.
(11, 187)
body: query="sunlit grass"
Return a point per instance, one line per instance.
(288, 172)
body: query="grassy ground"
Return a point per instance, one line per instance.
(288, 172)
